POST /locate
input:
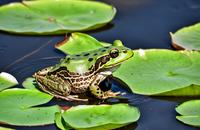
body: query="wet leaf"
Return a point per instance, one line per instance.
(29, 83)
(190, 120)
(79, 42)
(191, 108)
(187, 38)
(100, 117)
(4, 128)
(7, 81)
(152, 72)
(54, 17)
(192, 90)
(190, 112)
(60, 122)
(18, 107)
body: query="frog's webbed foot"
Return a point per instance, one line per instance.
(71, 98)
(109, 94)
(97, 92)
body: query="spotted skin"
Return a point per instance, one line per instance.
(82, 72)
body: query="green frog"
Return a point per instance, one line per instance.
(83, 72)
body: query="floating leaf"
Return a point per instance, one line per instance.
(17, 107)
(60, 122)
(192, 90)
(29, 83)
(189, 108)
(154, 72)
(190, 120)
(100, 117)
(187, 38)
(3, 128)
(79, 42)
(7, 81)
(190, 112)
(54, 17)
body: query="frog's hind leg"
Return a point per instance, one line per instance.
(57, 88)
(95, 89)
(71, 98)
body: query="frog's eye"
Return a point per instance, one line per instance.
(114, 53)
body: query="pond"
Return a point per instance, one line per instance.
(139, 24)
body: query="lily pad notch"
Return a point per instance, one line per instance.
(189, 112)
(187, 38)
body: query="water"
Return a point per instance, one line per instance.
(139, 24)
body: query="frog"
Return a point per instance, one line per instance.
(79, 73)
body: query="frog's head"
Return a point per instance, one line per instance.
(105, 57)
(114, 55)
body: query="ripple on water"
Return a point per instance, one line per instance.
(26, 69)
(2, 48)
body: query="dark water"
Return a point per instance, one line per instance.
(139, 24)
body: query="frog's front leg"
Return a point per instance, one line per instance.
(95, 89)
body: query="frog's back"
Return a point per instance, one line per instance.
(83, 62)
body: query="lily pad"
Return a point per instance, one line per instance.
(54, 17)
(7, 81)
(29, 83)
(18, 107)
(60, 122)
(190, 112)
(187, 38)
(192, 90)
(100, 117)
(4, 128)
(189, 108)
(79, 42)
(152, 72)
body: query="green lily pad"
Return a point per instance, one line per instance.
(4, 128)
(100, 117)
(18, 107)
(152, 72)
(7, 81)
(192, 90)
(191, 108)
(190, 112)
(60, 122)
(79, 42)
(190, 120)
(187, 38)
(54, 17)
(29, 83)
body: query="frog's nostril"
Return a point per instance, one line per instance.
(90, 59)
(124, 51)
